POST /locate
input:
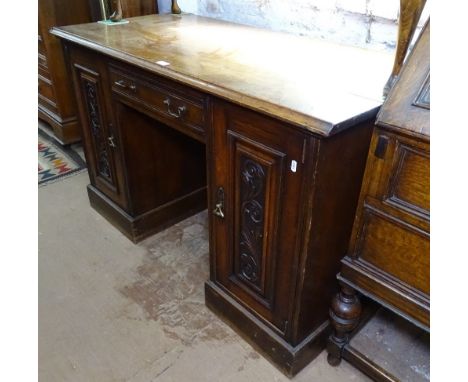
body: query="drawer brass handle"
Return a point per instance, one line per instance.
(219, 206)
(180, 110)
(124, 85)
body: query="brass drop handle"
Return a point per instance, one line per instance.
(124, 85)
(218, 211)
(219, 206)
(111, 141)
(180, 110)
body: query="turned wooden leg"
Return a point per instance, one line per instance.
(345, 312)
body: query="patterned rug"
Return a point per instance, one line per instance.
(56, 162)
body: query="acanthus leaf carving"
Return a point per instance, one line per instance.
(103, 165)
(252, 199)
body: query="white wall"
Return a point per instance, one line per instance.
(366, 23)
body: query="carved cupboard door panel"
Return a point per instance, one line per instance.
(257, 185)
(101, 142)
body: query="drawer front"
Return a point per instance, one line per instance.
(42, 60)
(46, 91)
(176, 105)
(398, 173)
(43, 72)
(409, 181)
(395, 248)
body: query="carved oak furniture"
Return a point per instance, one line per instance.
(181, 112)
(388, 256)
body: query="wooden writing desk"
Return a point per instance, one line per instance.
(271, 131)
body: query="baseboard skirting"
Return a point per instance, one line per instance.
(66, 131)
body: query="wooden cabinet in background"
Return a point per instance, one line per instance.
(57, 105)
(56, 99)
(388, 256)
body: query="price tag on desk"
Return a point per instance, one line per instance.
(163, 63)
(293, 166)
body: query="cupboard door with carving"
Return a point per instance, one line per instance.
(101, 142)
(257, 184)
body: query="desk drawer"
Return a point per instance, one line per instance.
(176, 104)
(409, 182)
(395, 248)
(46, 90)
(43, 72)
(42, 60)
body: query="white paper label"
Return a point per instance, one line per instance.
(163, 63)
(293, 166)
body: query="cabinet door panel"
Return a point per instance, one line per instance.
(256, 176)
(255, 242)
(100, 140)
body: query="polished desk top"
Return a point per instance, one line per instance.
(321, 86)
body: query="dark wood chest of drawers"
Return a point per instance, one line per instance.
(56, 101)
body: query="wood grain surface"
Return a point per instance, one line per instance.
(322, 86)
(406, 108)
